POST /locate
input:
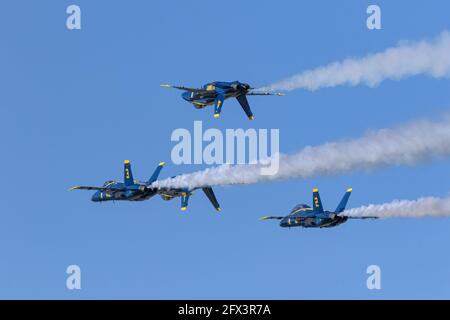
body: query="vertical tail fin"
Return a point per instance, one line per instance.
(155, 174)
(127, 174)
(184, 201)
(343, 203)
(212, 197)
(317, 203)
(242, 99)
(218, 105)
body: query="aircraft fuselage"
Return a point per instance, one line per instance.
(136, 192)
(208, 97)
(311, 220)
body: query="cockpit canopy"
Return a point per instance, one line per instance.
(298, 207)
(209, 86)
(108, 183)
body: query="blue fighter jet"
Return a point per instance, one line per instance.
(303, 215)
(215, 93)
(134, 190)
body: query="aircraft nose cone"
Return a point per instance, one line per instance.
(96, 197)
(187, 96)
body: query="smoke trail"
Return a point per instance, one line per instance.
(405, 60)
(405, 145)
(423, 207)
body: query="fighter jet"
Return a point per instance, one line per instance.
(134, 190)
(215, 93)
(303, 215)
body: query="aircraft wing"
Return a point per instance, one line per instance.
(98, 188)
(270, 218)
(362, 217)
(265, 94)
(183, 88)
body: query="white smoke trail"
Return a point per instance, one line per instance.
(405, 145)
(423, 207)
(405, 60)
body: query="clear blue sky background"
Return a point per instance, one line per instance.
(75, 104)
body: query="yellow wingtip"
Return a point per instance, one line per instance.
(218, 209)
(162, 163)
(263, 218)
(251, 118)
(126, 161)
(315, 190)
(349, 189)
(165, 85)
(216, 115)
(74, 188)
(183, 208)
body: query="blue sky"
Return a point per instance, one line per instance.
(75, 104)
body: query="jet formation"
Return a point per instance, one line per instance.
(215, 93)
